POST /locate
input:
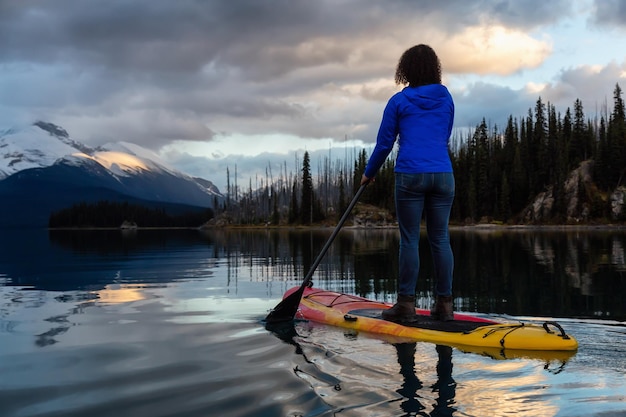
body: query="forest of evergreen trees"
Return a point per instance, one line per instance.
(498, 172)
(113, 214)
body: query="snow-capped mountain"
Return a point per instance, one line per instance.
(42, 170)
(36, 146)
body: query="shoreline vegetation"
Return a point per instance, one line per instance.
(389, 226)
(547, 169)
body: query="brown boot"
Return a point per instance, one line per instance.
(442, 309)
(402, 311)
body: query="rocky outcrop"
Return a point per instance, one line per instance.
(220, 220)
(580, 194)
(128, 225)
(540, 209)
(618, 203)
(372, 216)
(578, 209)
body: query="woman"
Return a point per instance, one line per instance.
(420, 117)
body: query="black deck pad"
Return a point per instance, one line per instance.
(424, 322)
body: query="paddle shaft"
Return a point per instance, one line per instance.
(287, 308)
(343, 219)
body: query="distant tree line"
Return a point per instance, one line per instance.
(498, 172)
(114, 214)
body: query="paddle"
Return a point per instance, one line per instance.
(287, 308)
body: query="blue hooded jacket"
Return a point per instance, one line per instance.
(421, 118)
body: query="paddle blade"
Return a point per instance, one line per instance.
(286, 310)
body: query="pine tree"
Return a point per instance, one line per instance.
(459, 165)
(519, 182)
(577, 151)
(294, 212)
(275, 212)
(227, 202)
(359, 169)
(483, 185)
(600, 171)
(540, 146)
(617, 139)
(341, 203)
(472, 175)
(527, 155)
(566, 135)
(552, 153)
(306, 201)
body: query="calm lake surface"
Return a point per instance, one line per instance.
(170, 323)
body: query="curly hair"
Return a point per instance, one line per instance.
(418, 65)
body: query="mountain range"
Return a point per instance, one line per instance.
(42, 170)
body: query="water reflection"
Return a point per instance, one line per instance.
(521, 272)
(98, 323)
(445, 387)
(542, 272)
(411, 403)
(427, 385)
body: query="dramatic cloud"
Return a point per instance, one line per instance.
(594, 86)
(610, 12)
(484, 101)
(174, 74)
(493, 50)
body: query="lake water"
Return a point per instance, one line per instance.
(170, 323)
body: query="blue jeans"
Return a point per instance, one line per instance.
(431, 194)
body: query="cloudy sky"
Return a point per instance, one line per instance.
(217, 83)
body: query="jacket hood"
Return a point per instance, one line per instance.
(427, 97)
